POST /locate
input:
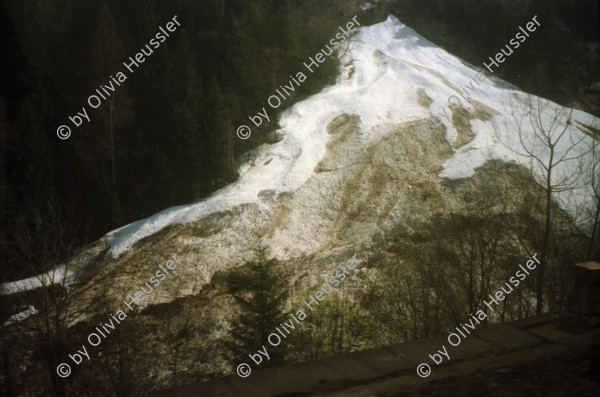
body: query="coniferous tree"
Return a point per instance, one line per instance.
(188, 137)
(214, 125)
(151, 142)
(106, 130)
(261, 300)
(39, 183)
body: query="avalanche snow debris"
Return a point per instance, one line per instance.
(391, 61)
(377, 91)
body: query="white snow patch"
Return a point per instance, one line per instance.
(57, 276)
(20, 316)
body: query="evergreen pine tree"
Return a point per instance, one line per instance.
(39, 183)
(261, 300)
(107, 133)
(190, 141)
(150, 156)
(214, 125)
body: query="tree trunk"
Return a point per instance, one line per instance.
(546, 239)
(594, 229)
(112, 143)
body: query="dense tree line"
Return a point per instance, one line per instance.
(167, 135)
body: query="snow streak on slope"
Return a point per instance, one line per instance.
(58, 276)
(383, 69)
(20, 316)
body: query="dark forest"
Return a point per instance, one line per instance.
(167, 135)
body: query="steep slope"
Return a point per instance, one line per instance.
(349, 167)
(349, 160)
(386, 69)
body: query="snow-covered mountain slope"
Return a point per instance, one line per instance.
(384, 69)
(349, 164)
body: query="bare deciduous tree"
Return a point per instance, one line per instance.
(545, 136)
(593, 173)
(42, 239)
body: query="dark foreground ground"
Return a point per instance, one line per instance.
(550, 355)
